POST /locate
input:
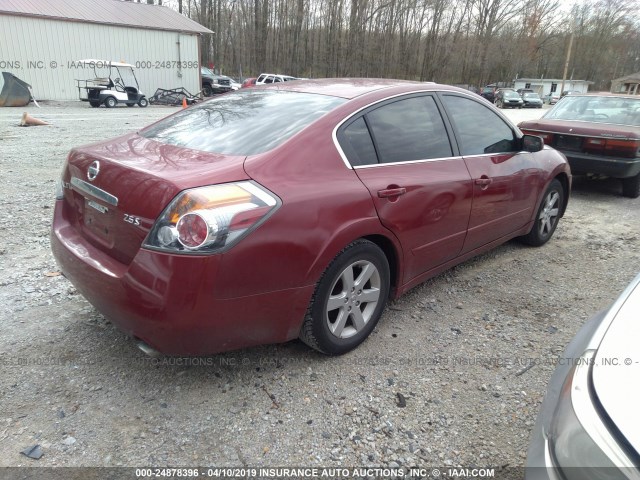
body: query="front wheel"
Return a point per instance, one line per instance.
(631, 186)
(547, 216)
(207, 91)
(110, 102)
(142, 103)
(349, 299)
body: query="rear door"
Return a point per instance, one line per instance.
(401, 151)
(505, 178)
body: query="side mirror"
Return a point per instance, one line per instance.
(532, 143)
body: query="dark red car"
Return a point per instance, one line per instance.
(269, 214)
(598, 133)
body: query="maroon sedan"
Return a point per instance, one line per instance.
(273, 213)
(598, 133)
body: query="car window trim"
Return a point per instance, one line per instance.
(408, 162)
(380, 103)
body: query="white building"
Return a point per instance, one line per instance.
(544, 86)
(41, 42)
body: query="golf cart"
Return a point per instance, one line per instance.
(120, 86)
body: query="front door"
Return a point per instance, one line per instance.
(505, 178)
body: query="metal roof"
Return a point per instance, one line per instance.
(109, 12)
(634, 77)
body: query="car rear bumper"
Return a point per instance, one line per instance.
(582, 163)
(169, 301)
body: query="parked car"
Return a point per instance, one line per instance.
(267, 78)
(522, 91)
(551, 98)
(531, 100)
(587, 426)
(508, 99)
(599, 134)
(265, 215)
(249, 82)
(489, 93)
(213, 83)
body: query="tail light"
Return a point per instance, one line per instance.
(613, 147)
(211, 219)
(546, 137)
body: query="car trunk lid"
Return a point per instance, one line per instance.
(115, 190)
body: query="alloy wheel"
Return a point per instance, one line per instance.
(353, 299)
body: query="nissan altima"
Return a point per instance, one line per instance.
(296, 210)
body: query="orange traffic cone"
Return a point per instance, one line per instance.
(29, 121)
(184, 102)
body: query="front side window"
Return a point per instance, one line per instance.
(480, 130)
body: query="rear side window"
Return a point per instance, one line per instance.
(409, 129)
(246, 122)
(479, 129)
(401, 131)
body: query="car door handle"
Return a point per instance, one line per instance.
(483, 181)
(392, 192)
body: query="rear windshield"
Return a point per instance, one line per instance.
(245, 122)
(511, 94)
(612, 110)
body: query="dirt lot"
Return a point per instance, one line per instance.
(441, 381)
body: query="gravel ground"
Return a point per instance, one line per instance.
(443, 380)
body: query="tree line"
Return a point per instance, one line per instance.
(469, 42)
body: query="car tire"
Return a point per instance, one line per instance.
(110, 102)
(631, 186)
(357, 280)
(207, 91)
(142, 103)
(547, 215)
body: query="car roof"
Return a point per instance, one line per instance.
(351, 87)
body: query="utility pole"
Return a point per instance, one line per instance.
(566, 64)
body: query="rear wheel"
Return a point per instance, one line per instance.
(547, 216)
(349, 299)
(110, 102)
(631, 186)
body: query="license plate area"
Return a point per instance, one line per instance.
(568, 142)
(98, 219)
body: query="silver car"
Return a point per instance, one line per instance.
(587, 427)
